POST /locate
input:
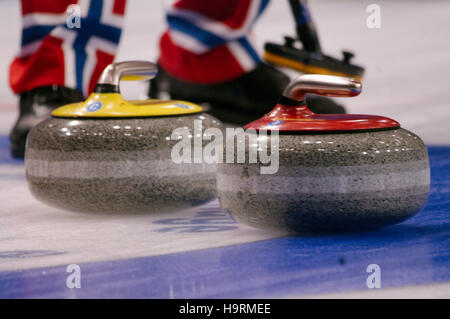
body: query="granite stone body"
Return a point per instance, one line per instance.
(116, 165)
(330, 182)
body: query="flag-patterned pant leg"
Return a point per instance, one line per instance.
(54, 52)
(207, 41)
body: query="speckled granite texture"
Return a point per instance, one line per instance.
(331, 182)
(116, 165)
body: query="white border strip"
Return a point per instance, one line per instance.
(34, 19)
(218, 28)
(108, 17)
(68, 37)
(188, 42)
(93, 45)
(113, 169)
(267, 184)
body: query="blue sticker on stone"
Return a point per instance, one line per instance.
(276, 123)
(94, 107)
(184, 106)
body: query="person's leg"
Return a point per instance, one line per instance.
(58, 62)
(208, 42)
(53, 54)
(206, 56)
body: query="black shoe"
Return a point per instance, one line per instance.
(238, 101)
(35, 106)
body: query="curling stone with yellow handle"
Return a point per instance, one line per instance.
(108, 155)
(335, 172)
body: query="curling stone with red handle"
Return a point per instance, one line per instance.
(336, 172)
(108, 155)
